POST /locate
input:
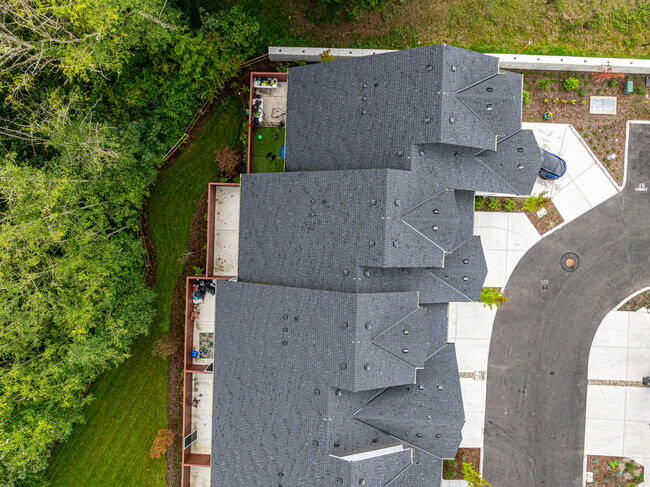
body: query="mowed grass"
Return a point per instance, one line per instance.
(112, 447)
(268, 143)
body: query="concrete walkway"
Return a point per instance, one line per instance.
(537, 370)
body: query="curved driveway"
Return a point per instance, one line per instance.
(539, 352)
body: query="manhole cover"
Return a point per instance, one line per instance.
(570, 262)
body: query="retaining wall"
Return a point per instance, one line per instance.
(507, 61)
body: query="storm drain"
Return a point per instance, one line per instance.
(570, 262)
(545, 286)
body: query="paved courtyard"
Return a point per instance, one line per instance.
(226, 230)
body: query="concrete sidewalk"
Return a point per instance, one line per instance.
(586, 183)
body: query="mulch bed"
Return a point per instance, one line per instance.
(544, 224)
(451, 469)
(604, 134)
(641, 300)
(614, 471)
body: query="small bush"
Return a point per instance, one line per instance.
(479, 201)
(326, 56)
(582, 92)
(492, 296)
(534, 203)
(449, 474)
(544, 83)
(228, 160)
(508, 205)
(583, 102)
(161, 443)
(525, 97)
(493, 204)
(640, 90)
(570, 84)
(557, 100)
(612, 83)
(165, 346)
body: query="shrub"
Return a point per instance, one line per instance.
(493, 204)
(508, 205)
(326, 56)
(534, 203)
(583, 102)
(479, 201)
(473, 478)
(570, 84)
(228, 160)
(557, 100)
(525, 97)
(582, 92)
(573, 102)
(612, 83)
(449, 474)
(640, 90)
(161, 443)
(544, 83)
(164, 346)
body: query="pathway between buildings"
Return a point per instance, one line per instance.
(539, 351)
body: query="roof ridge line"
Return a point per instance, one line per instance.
(478, 117)
(447, 284)
(477, 83)
(494, 172)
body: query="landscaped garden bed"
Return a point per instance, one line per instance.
(604, 134)
(542, 224)
(614, 471)
(641, 300)
(451, 469)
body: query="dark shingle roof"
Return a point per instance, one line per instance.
(372, 107)
(339, 119)
(356, 231)
(283, 401)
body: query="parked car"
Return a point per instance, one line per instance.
(553, 167)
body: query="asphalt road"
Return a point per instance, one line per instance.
(539, 352)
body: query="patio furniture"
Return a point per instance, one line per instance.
(271, 83)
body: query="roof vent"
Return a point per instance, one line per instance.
(405, 350)
(338, 392)
(362, 481)
(521, 149)
(405, 332)
(440, 387)
(373, 202)
(372, 243)
(344, 366)
(366, 273)
(451, 119)
(465, 261)
(315, 443)
(456, 155)
(285, 317)
(363, 112)
(421, 152)
(311, 213)
(465, 278)
(435, 228)
(397, 202)
(317, 392)
(280, 474)
(344, 325)
(453, 68)
(375, 440)
(436, 211)
(400, 153)
(337, 444)
(313, 201)
(346, 272)
(366, 367)
(368, 326)
(364, 98)
(438, 435)
(427, 120)
(364, 86)
(396, 244)
(421, 387)
(419, 435)
(339, 481)
(285, 343)
(376, 85)
(490, 89)
(488, 107)
(285, 329)
(429, 67)
(520, 166)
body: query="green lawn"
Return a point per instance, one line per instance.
(112, 447)
(268, 143)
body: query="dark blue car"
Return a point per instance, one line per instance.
(553, 167)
